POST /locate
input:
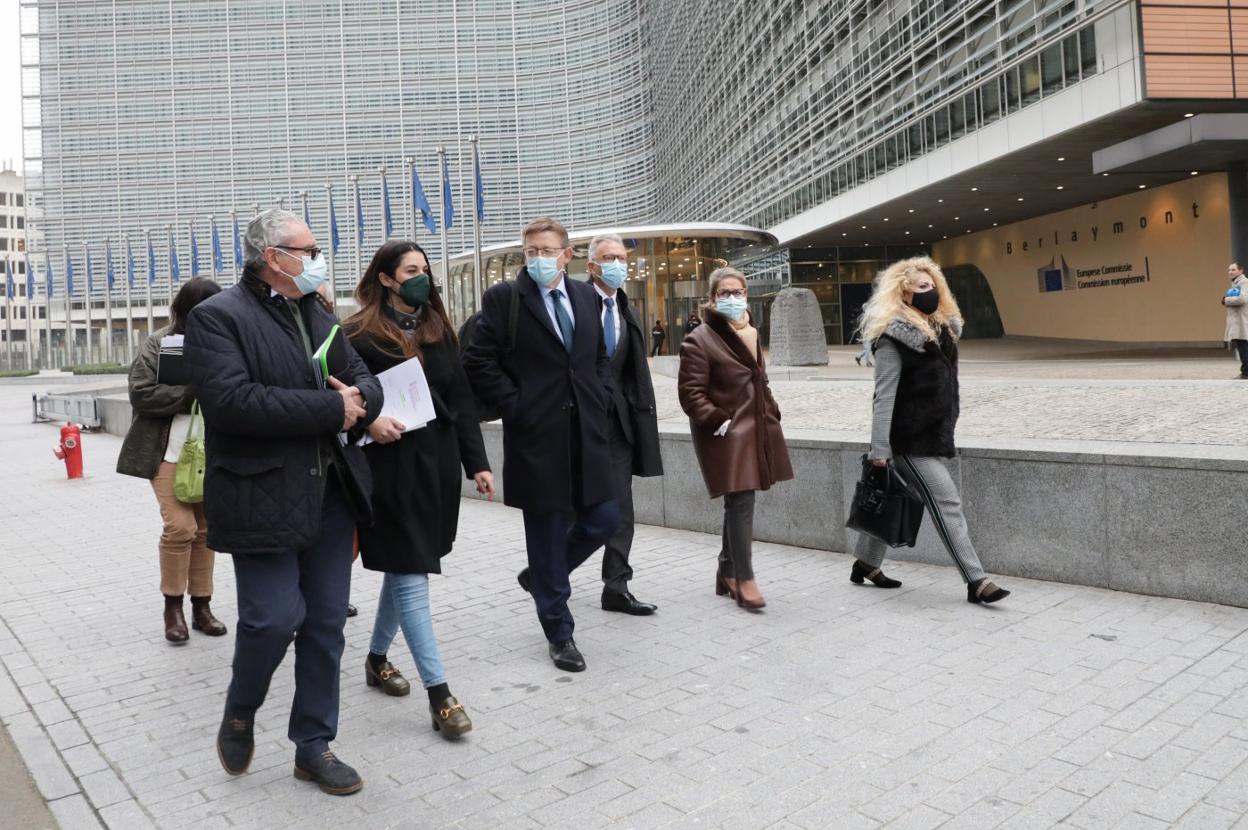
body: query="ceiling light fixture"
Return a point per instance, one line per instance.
(973, 189)
(1188, 114)
(1061, 158)
(1143, 186)
(1061, 187)
(1195, 172)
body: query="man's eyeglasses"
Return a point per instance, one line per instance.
(622, 260)
(310, 250)
(734, 293)
(546, 252)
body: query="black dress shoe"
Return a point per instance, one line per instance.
(236, 743)
(330, 774)
(352, 610)
(525, 582)
(627, 603)
(567, 656)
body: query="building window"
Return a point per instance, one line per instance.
(21, 222)
(21, 200)
(4, 221)
(3, 198)
(4, 243)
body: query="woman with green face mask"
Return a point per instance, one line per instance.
(416, 474)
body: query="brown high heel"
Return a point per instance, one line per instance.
(722, 588)
(749, 604)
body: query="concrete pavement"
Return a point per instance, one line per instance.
(838, 707)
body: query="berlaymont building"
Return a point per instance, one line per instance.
(1079, 168)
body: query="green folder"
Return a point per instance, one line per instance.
(330, 358)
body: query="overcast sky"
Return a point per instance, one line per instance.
(10, 84)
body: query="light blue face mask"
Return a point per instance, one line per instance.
(315, 272)
(731, 307)
(543, 269)
(614, 273)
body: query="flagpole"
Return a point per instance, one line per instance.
(86, 294)
(47, 306)
(478, 260)
(385, 203)
(256, 209)
(234, 259)
(151, 278)
(410, 162)
(108, 304)
(30, 313)
(8, 313)
(172, 248)
(129, 307)
(69, 310)
(355, 183)
(303, 200)
(329, 236)
(446, 258)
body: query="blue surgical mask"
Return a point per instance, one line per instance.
(315, 272)
(543, 269)
(614, 273)
(731, 307)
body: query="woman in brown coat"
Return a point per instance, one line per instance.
(735, 424)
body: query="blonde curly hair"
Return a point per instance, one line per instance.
(888, 301)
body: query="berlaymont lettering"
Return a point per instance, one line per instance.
(1148, 266)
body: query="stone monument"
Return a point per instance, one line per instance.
(797, 330)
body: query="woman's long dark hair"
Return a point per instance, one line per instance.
(372, 321)
(189, 296)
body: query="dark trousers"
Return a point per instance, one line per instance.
(300, 595)
(1241, 349)
(736, 557)
(616, 572)
(657, 348)
(558, 543)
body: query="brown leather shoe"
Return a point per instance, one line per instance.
(175, 623)
(449, 718)
(202, 618)
(745, 588)
(388, 678)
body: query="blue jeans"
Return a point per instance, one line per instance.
(404, 602)
(301, 596)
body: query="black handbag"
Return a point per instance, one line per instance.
(885, 506)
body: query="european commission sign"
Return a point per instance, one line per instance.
(1061, 277)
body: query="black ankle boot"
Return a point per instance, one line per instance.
(862, 571)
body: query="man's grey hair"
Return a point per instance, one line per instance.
(598, 240)
(270, 228)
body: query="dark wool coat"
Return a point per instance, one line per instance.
(416, 480)
(265, 419)
(925, 411)
(633, 394)
(720, 380)
(537, 386)
(154, 405)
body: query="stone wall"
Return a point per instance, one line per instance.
(1149, 519)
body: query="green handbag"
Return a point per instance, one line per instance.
(188, 476)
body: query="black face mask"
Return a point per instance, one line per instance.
(926, 301)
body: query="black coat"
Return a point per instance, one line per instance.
(633, 394)
(416, 479)
(536, 386)
(925, 411)
(263, 416)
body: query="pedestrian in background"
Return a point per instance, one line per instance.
(416, 473)
(657, 335)
(1236, 302)
(162, 416)
(552, 384)
(912, 323)
(285, 486)
(692, 322)
(735, 424)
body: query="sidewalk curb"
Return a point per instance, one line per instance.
(23, 687)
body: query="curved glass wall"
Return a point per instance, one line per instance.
(668, 269)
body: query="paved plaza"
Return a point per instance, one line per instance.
(837, 707)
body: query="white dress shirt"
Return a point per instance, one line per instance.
(619, 322)
(562, 288)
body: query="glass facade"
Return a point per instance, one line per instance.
(863, 87)
(668, 268)
(145, 113)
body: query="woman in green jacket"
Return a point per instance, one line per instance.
(162, 414)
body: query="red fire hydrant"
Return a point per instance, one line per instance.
(70, 450)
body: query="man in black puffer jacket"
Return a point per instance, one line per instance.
(283, 491)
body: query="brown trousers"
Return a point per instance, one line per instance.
(185, 560)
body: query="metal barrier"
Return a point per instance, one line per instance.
(78, 408)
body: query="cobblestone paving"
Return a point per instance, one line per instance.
(837, 707)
